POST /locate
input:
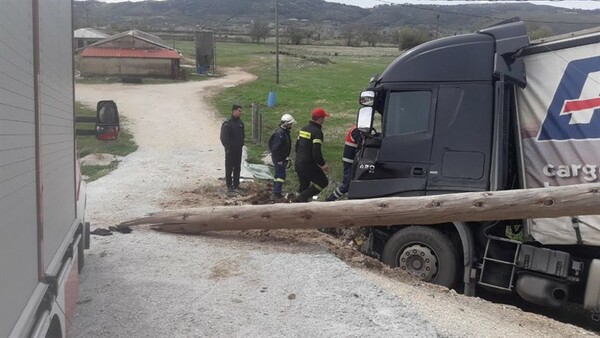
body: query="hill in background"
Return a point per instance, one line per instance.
(330, 18)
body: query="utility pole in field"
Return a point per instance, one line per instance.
(276, 43)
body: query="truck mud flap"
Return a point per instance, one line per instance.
(591, 300)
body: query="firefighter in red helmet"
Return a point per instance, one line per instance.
(310, 165)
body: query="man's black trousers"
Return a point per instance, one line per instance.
(233, 162)
(311, 173)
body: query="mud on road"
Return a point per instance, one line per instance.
(451, 308)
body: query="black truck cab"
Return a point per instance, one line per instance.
(441, 105)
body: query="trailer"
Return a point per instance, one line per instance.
(43, 233)
(488, 111)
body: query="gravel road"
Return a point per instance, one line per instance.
(151, 284)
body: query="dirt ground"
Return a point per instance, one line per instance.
(148, 283)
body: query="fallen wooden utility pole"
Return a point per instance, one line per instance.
(572, 200)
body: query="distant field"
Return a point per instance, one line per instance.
(310, 76)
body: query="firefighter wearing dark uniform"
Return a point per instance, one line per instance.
(280, 145)
(232, 138)
(350, 147)
(310, 165)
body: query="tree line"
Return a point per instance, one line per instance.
(356, 35)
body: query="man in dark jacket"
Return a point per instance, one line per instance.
(280, 145)
(232, 138)
(310, 165)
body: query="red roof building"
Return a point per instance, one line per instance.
(132, 53)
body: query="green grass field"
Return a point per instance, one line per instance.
(310, 76)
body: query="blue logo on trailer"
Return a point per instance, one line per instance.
(569, 116)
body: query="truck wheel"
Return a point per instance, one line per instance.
(80, 254)
(423, 252)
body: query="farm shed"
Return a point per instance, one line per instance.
(131, 53)
(84, 37)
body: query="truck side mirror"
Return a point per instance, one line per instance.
(364, 120)
(367, 98)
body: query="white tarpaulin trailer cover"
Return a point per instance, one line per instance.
(559, 116)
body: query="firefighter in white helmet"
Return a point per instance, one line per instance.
(280, 145)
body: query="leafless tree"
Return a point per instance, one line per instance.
(349, 36)
(259, 30)
(296, 33)
(369, 34)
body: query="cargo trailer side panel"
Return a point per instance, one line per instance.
(58, 153)
(18, 235)
(559, 114)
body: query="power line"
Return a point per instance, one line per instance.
(485, 16)
(244, 8)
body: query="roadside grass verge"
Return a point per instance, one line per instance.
(86, 145)
(306, 82)
(94, 172)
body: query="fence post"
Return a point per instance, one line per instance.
(255, 123)
(260, 124)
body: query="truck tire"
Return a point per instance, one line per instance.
(423, 252)
(80, 254)
(84, 243)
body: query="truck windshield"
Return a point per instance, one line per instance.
(407, 112)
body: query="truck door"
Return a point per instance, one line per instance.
(402, 165)
(462, 145)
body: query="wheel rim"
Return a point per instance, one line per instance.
(420, 261)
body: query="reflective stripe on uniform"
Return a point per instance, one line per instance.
(318, 141)
(317, 186)
(304, 134)
(337, 193)
(347, 160)
(350, 144)
(279, 180)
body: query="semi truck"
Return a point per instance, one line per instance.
(479, 112)
(43, 232)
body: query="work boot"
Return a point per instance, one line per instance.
(276, 197)
(335, 195)
(230, 192)
(239, 190)
(307, 194)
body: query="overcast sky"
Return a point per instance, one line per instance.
(584, 4)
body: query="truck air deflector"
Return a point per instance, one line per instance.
(510, 38)
(458, 58)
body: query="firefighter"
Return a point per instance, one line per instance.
(232, 138)
(310, 165)
(280, 145)
(350, 147)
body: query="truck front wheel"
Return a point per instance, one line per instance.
(423, 252)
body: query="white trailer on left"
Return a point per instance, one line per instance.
(42, 196)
